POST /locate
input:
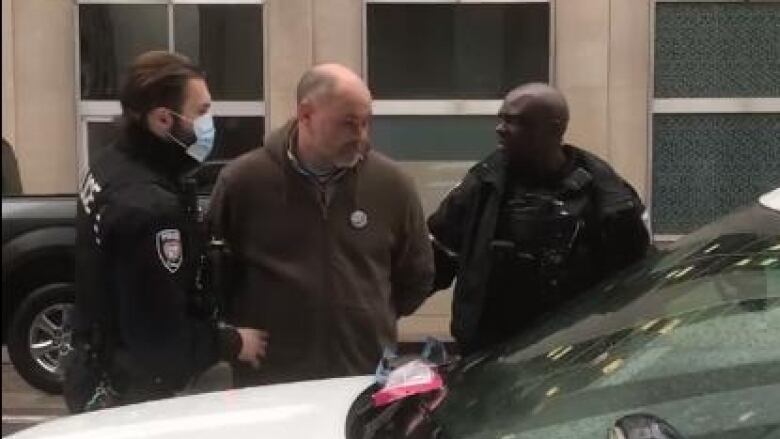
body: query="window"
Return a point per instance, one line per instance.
(717, 50)
(110, 36)
(716, 112)
(439, 70)
(227, 43)
(420, 138)
(224, 38)
(101, 132)
(711, 163)
(455, 51)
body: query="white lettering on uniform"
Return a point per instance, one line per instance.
(88, 191)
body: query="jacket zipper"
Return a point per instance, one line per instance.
(323, 200)
(327, 281)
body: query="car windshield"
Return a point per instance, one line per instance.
(691, 335)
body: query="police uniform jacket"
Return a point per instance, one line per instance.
(137, 255)
(464, 229)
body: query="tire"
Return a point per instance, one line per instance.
(42, 320)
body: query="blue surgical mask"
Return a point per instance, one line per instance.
(203, 127)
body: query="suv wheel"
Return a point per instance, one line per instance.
(40, 336)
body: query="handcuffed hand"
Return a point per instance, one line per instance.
(254, 343)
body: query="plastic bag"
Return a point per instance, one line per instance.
(402, 377)
(412, 378)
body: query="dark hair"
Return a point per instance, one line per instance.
(156, 79)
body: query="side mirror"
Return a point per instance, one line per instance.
(643, 426)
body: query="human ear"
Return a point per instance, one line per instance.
(159, 120)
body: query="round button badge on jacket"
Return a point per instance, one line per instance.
(358, 219)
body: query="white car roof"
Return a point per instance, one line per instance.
(310, 409)
(771, 199)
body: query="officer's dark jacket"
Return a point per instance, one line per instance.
(137, 255)
(464, 226)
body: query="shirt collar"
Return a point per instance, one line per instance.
(297, 164)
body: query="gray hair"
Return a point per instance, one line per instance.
(313, 83)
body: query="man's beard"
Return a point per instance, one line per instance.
(357, 153)
(182, 134)
(345, 162)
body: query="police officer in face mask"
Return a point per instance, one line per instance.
(137, 332)
(532, 225)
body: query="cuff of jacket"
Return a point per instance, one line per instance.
(229, 342)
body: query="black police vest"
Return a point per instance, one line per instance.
(542, 235)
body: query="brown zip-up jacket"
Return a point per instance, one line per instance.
(327, 285)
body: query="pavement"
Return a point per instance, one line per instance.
(24, 406)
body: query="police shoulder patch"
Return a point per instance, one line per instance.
(169, 249)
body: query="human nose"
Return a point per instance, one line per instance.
(501, 127)
(364, 131)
